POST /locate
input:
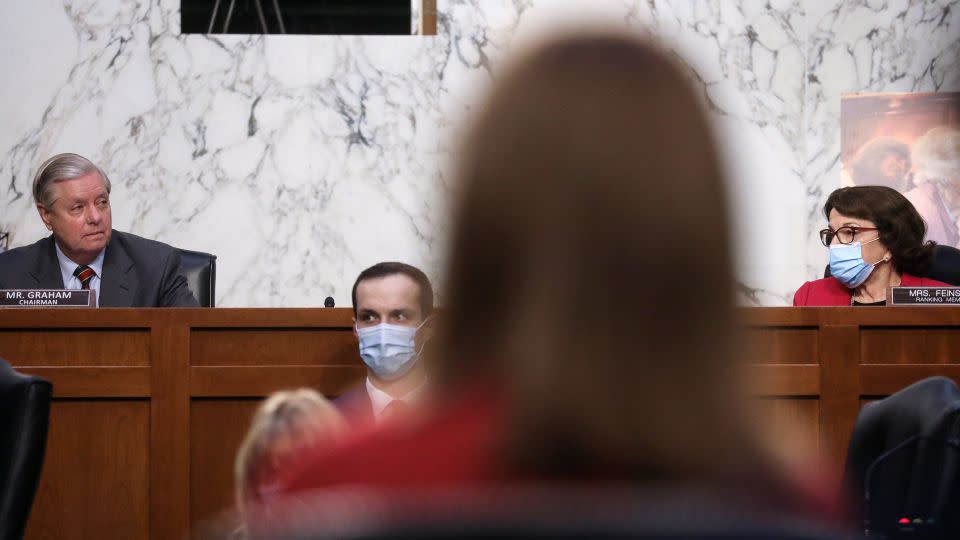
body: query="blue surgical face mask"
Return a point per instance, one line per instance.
(389, 350)
(848, 266)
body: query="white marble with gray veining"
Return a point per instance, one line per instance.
(300, 160)
(868, 46)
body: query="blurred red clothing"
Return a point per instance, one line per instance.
(830, 292)
(452, 448)
(457, 447)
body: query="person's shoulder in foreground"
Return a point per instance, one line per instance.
(829, 291)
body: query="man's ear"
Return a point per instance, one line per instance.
(428, 328)
(355, 327)
(45, 216)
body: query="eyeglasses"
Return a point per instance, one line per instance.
(844, 235)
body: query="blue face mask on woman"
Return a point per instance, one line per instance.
(848, 266)
(389, 350)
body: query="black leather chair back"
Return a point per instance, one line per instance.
(945, 268)
(935, 490)
(201, 271)
(24, 418)
(946, 265)
(898, 452)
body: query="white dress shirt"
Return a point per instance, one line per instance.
(68, 267)
(380, 399)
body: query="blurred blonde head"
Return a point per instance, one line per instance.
(590, 272)
(285, 424)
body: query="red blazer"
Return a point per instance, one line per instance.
(830, 292)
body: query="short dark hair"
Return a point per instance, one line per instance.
(900, 226)
(385, 269)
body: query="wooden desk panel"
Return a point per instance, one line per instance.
(150, 404)
(95, 481)
(921, 345)
(782, 345)
(256, 381)
(217, 427)
(271, 347)
(136, 447)
(75, 347)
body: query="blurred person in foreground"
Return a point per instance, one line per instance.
(875, 238)
(392, 308)
(590, 340)
(285, 425)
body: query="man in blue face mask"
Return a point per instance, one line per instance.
(392, 304)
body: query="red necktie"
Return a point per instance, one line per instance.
(84, 273)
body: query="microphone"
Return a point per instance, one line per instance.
(328, 302)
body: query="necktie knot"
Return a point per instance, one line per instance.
(84, 273)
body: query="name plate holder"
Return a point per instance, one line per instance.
(36, 298)
(924, 296)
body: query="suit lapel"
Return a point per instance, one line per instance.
(116, 283)
(46, 267)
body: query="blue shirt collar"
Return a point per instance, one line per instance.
(67, 266)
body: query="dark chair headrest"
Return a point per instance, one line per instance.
(946, 265)
(11, 380)
(200, 269)
(909, 412)
(24, 419)
(881, 426)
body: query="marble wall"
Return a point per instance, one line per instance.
(300, 160)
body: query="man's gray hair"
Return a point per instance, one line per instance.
(59, 168)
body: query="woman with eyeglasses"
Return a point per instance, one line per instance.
(875, 237)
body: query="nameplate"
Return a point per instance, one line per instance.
(31, 298)
(925, 296)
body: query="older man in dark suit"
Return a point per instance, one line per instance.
(84, 252)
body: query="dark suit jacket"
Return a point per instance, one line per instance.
(136, 272)
(355, 406)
